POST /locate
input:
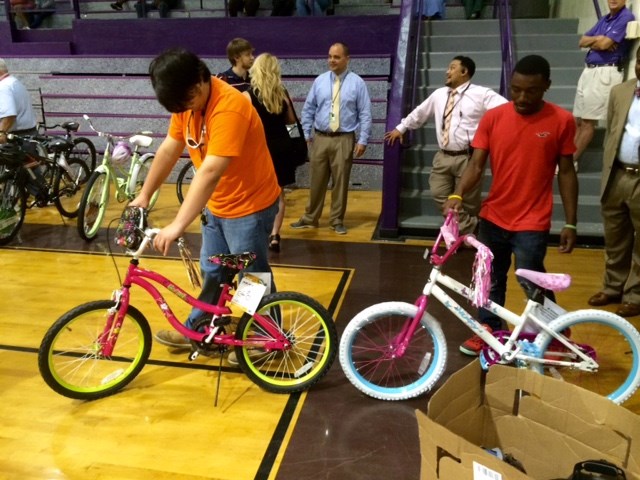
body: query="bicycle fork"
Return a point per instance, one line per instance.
(106, 341)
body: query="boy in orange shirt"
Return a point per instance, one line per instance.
(234, 180)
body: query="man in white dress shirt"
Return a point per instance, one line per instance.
(456, 118)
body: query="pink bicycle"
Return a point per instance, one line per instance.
(396, 350)
(284, 342)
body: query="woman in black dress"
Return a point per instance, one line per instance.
(270, 99)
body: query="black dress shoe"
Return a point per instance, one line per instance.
(628, 310)
(601, 299)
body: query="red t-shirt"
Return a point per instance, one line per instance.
(523, 154)
(233, 129)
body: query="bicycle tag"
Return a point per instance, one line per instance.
(249, 293)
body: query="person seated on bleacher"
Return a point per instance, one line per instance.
(45, 8)
(142, 7)
(249, 7)
(306, 8)
(163, 7)
(20, 9)
(283, 8)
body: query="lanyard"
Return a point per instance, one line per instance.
(447, 114)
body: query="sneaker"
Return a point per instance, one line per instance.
(301, 224)
(116, 6)
(339, 229)
(474, 345)
(171, 338)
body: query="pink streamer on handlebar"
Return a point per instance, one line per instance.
(481, 279)
(449, 229)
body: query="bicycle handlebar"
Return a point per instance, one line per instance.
(111, 135)
(149, 234)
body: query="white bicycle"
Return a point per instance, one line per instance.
(396, 350)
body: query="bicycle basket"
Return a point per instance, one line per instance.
(130, 231)
(121, 153)
(11, 155)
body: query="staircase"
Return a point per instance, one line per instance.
(554, 39)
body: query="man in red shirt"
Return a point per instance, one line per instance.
(526, 140)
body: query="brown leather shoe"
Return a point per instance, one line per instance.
(601, 299)
(628, 310)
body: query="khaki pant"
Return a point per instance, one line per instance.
(621, 220)
(445, 176)
(329, 157)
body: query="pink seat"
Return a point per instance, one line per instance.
(555, 282)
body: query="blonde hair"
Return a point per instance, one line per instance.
(266, 82)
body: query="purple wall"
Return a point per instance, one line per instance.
(371, 35)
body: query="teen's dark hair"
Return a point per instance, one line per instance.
(467, 63)
(533, 65)
(175, 73)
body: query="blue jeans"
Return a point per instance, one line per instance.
(529, 249)
(305, 8)
(233, 235)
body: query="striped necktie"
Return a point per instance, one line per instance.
(448, 113)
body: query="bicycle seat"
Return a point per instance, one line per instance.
(71, 126)
(234, 261)
(555, 282)
(141, 140)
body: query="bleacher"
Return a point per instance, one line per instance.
(117, 94)
(101, 10)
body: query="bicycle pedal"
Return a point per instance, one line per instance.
(193, 355)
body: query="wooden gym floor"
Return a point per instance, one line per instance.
(164, 424)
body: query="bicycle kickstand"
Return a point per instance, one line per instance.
(215, 403)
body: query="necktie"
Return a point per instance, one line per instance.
(448, 113)
(334, 119)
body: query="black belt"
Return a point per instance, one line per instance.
(456, 153)
(627, 168)
(596, 65)
(333, 134)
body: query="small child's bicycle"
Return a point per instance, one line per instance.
(396, 351)
(123, 166)
(284, 342)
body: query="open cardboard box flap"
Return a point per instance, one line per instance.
(546, 424)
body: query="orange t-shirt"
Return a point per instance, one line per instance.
(233, 129)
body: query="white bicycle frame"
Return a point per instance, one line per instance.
(511, 350)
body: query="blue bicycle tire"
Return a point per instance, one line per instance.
(369, 360)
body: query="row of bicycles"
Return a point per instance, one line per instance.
(389, 351)
(62, 170)
(286, 342)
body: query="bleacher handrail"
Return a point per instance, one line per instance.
(401, 76)
(501, 10)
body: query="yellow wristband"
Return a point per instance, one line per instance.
(454, 197)
(572, 227)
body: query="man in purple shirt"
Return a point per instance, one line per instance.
(605, 59)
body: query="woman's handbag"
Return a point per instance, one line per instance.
(298, 151)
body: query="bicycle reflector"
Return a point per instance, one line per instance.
(130, 231)
(121, 153)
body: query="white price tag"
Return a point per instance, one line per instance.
(549, 311)
(480, 472)
(249, 293)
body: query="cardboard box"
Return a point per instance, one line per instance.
(544, 423)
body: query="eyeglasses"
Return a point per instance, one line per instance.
(191, 143)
